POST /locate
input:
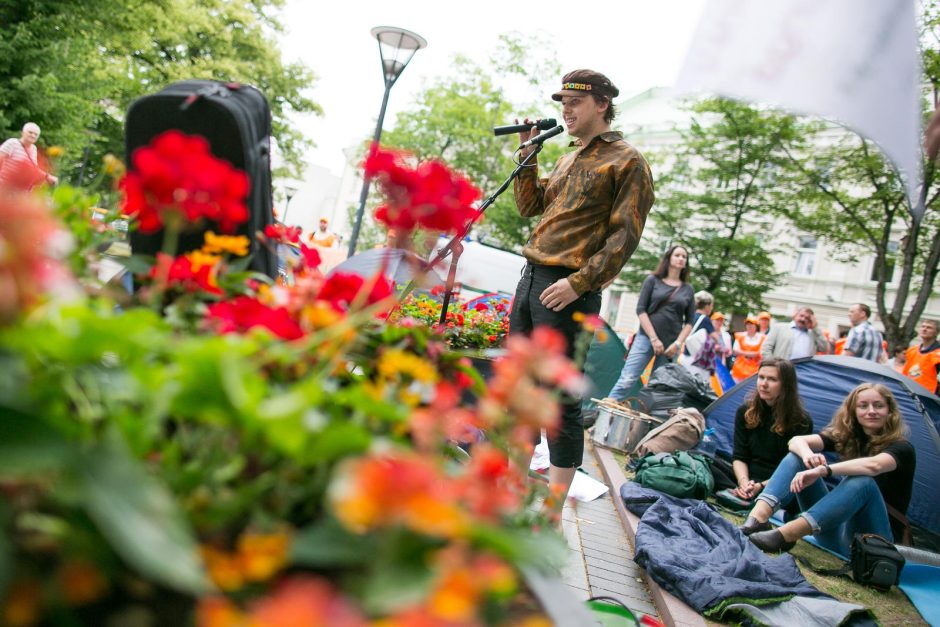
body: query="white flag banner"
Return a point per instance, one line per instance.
(855, 62)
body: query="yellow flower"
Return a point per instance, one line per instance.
(234, 244)
(55, 152)
(198, 259)
(396, 362)
(319, 315)
(113, 166)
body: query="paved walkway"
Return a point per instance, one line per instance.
(600, 555)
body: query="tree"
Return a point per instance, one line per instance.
(853, 199)
(718, 197)
(74, 67)
(452, 120)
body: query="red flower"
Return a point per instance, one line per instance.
(481, 307)
(177, 173)
(341, 290)
(430, 196)
(243, 313)
(283, 233)
(310, 256)
(181, 272)
(492, 486)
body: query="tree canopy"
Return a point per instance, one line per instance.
(453, 117)
(73, 67)
(717, 194)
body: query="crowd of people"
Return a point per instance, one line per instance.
(777, 460)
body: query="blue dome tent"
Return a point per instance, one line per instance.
(825, 381)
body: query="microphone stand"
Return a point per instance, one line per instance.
(455, 248)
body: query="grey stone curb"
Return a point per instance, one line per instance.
(672, 611)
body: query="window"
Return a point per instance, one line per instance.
(805, 256)
(891, 255)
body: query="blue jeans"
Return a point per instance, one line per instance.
(640, 354)
(853, 506)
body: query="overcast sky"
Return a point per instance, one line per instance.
(638, 43)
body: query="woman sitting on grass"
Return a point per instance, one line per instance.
(764, 425)
(878, 465)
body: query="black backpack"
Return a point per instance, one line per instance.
(236, 121)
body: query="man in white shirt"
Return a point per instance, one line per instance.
(19, 160)
(800, 338)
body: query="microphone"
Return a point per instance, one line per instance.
(543, 125)
(538, 139)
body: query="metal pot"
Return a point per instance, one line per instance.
(626, 431)
(621, 428)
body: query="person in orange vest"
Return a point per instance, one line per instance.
(747, 345)
(840, 344)
(923, 360)
(323, 236)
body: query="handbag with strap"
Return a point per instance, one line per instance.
(875, 562)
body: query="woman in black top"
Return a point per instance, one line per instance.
(876, 460)
(764, 425)
(665, 308)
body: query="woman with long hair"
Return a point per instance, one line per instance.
(877, 464)
(764, 424)
(665, 307)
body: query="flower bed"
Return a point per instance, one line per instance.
(221, 450)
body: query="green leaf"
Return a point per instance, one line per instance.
(400, 575)
(137, 264)
(328, 545)
(6, 551)
(28, 445)
(338, 440)
(140, 520)
(523, 547)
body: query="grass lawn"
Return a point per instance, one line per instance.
(890, 608)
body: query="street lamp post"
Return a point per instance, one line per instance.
(289, 191)
(392, 43)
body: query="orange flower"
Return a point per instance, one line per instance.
(396, 489)
(305, 602)
(257, 557)
(219, 612)
(22, 606)
(224, 569)
(420, 617)
(81, 582)
(536, 620)
(262, 555)
(456, 597)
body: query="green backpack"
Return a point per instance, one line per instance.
(680, 474)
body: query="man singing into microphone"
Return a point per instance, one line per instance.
(593, 207)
